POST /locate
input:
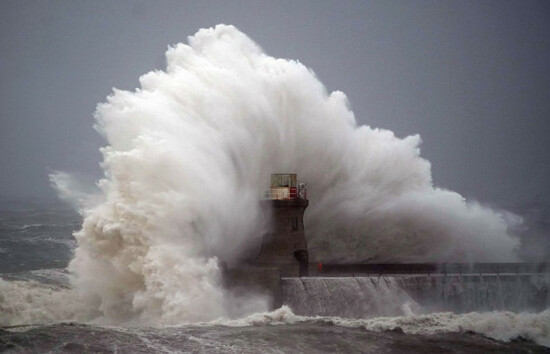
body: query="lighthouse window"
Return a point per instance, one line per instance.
(294, 223)
(283, 180)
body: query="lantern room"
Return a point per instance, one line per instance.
(285, 186)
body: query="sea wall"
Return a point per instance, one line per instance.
(480, 292)
(363, 297)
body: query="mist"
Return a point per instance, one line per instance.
(189, 155)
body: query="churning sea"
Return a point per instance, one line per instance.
(36, 245)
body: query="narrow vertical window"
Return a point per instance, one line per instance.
(294, 223)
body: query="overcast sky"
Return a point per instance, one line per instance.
(471, 77)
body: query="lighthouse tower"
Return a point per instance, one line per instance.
(285, 247)
(283, 251)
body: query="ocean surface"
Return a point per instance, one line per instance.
(38, 312)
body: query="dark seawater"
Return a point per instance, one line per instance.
(37, 237)
(298, 338)
(36, 244)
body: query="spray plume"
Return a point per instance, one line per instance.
(190, 153)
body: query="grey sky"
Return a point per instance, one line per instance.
(472, 78)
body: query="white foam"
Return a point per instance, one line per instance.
(31, 302)
(27, 226)
(503, 326)
(189, 154)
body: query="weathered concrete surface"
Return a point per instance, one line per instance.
(373, 296)
(479, 292)
(287, 239)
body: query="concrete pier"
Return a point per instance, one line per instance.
(448, 286)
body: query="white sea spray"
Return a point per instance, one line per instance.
(499, 325)
(189, 155)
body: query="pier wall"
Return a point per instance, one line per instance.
(384, 295)
(363, 290)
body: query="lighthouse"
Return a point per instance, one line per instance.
(283, 250)
(284, 246)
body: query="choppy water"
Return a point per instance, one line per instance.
(36, 238)
(38, 311)
(308, 337)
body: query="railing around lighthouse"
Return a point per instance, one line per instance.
(287, 193)
(285, 186)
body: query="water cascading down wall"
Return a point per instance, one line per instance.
(369, 296)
